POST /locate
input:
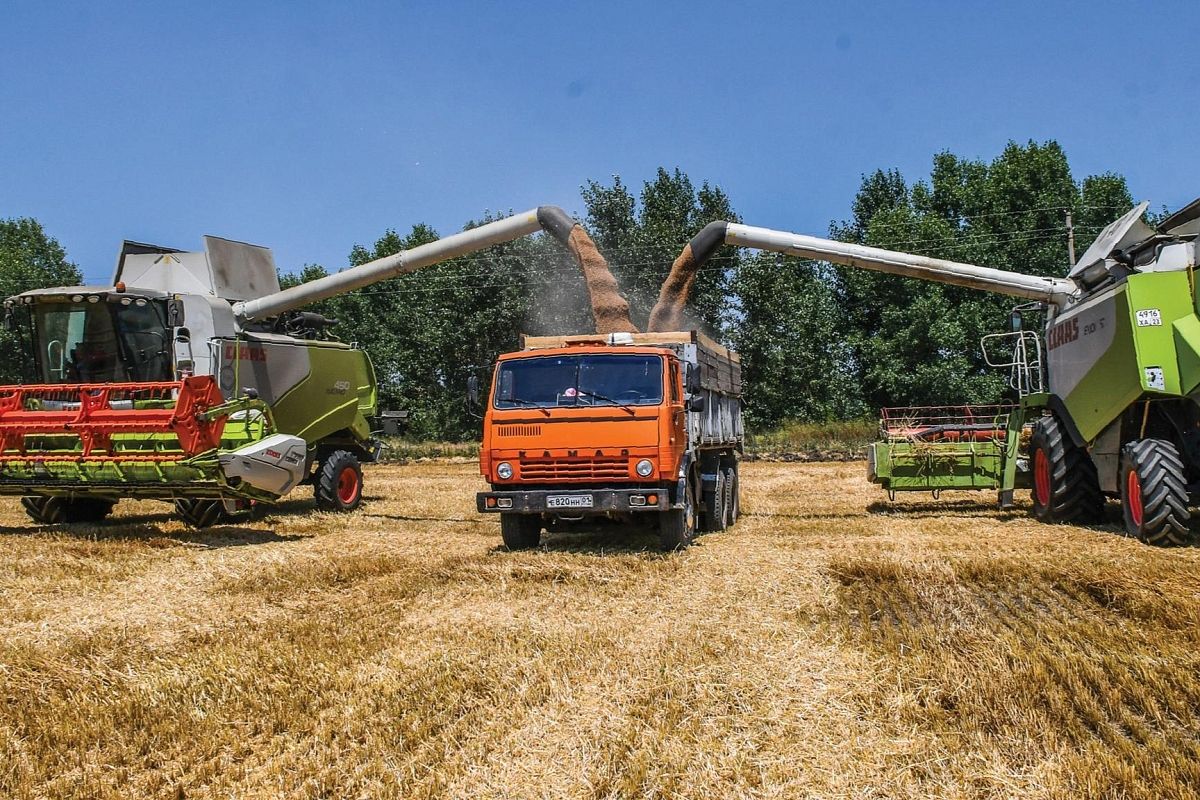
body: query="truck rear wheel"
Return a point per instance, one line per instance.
(59, 510)
(731, 495)
(338, 485)
(1154, 496)
(716, 517)
(520, 531)
(1065, 485)
(676, 526)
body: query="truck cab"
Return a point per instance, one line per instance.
(604, 427)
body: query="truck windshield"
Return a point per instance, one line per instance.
(101, 342)
(584, 380)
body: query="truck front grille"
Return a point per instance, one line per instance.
(519, 430)
(551, 469)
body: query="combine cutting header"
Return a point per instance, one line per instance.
(193, 377)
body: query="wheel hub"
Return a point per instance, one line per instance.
(1133, 498)
(1041, 477)
(347, 486)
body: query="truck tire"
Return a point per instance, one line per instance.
(716, 518)
(731, 495)
(338, 484)
(1154, 496)
(676, 526)
(520, 531)
(1065, 485)
(200, 513)
(60, 510)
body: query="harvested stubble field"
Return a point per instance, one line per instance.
(831, 645)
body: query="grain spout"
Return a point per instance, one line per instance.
(609, 308)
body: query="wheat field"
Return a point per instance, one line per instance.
(831, 645)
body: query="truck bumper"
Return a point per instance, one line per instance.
(604, 501)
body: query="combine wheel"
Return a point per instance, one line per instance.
(339, 483)
(520, 531)
(676, 526)
(1154, 495)
(1065, 486)
(58, 510)
(731, 494)
(200, 513)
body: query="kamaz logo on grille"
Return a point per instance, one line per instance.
(1063, 333)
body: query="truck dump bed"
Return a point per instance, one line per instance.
(718, 379)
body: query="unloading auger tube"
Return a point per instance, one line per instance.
(551, 219)
(1056, 291)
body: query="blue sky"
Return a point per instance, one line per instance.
(309, 127)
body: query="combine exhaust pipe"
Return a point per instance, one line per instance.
(1056, 291)
(551, 219)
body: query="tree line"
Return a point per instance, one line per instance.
(818, 342)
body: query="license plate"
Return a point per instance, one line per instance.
(569, 501)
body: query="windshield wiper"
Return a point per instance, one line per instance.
(529, 403)
(599, 396)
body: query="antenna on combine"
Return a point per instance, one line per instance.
(1070, 239)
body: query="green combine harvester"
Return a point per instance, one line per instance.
(194, 379)
(1109, 396)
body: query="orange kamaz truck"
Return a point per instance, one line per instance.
(617, 426)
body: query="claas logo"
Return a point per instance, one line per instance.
(245, 353)
(1062, 333)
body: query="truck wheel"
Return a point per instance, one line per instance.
(1065, 485)
(716, 518)
(520, 531)
(676, 526)
(731, 495)
(200, 513)
(59, 510)
(338, 486)
(1154, 495)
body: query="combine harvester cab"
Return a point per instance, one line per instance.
(195, 378)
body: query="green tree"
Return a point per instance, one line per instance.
(795, 361)
(29, 259)
(917, 343)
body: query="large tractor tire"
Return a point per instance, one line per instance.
(732, 509)
(520, 531)
(677, 526)
(1065, 485)
(1154, 496)
(715, 518)
(65, 510)
(339, 483)
(201, 513)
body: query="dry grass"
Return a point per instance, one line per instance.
(831, 645)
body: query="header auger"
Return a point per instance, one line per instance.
(1119, 412)
(194, 378)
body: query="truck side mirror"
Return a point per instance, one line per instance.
(473, 391)
(174, 313)
(696, 402)
(691, 380)
(1015, 321)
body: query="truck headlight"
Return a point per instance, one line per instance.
(644, 468)
(504, 470)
